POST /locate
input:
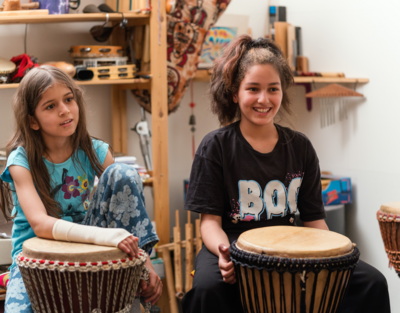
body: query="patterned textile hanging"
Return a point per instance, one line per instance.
(188, 23)
(192, 119)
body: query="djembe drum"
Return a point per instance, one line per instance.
(6, 68)
(72, 277)
(292, 269)
(389, 223)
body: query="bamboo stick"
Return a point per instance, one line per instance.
(170, 280)
(171, 245)
(189, 254)
(199, 241)
(178, 258)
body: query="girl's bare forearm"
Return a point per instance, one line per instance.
(212, 233)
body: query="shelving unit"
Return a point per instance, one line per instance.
(157, 22)
(133, 18)
(159, 95)
(138, 83)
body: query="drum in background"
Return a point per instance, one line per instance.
(72, 277)
(389, 223)
(6, 68)
(293, 269)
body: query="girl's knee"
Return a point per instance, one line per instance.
(122, 173)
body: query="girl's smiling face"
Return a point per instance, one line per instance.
(259, 95)
(57, 114)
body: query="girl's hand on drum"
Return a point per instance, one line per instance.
(226, 265)
(151, 292)
(130, 245)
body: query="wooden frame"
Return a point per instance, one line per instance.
(159, 101)
(158, 34)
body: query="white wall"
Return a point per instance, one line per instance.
(358, 38)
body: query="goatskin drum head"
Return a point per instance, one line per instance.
(391, 208)
(6, 66)
(47, 249)
(294, 242)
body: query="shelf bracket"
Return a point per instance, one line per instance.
(307, 87)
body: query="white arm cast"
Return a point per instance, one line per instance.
(68, 231)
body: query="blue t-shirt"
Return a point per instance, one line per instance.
(71, 184)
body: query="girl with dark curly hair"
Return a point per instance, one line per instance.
(255, 173)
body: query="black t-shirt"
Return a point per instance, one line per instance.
(250, 189)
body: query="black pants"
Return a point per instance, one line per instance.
(367, 293)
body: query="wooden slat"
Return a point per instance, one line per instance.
(136, 83)
(204, 75)
(330, 80)
(135, 18)
(159, 103)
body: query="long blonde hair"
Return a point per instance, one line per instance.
(24, 103)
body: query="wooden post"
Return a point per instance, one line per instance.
(189, 254)
(159, 118)
(178, 258)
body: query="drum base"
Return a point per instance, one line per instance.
(280, 285)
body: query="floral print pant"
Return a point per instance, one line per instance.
(117, 202)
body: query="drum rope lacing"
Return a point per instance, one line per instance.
(62, 273)
(251, 265)
(389, 228)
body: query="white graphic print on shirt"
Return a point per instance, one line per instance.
(275, 199)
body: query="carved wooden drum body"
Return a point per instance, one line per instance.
(72, 277)
(389, 223)
(293, 269)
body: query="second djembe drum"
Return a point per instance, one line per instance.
(293, 269)
(71, 277)
(389, 223)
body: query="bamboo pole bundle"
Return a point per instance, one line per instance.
(189, 254)
(178, 258)
(170, 280)
(199, 241)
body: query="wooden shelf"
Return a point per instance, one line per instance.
(330, 80)
(133, 18)
(136, 83)
(204, 76)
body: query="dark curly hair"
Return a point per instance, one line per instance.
(230, 69)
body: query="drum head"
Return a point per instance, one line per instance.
(391, 208)
(6, 66)
(46, 249)
(294, 242)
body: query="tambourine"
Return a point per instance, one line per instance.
(113, 72)
(6, 68)
(96, 51)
